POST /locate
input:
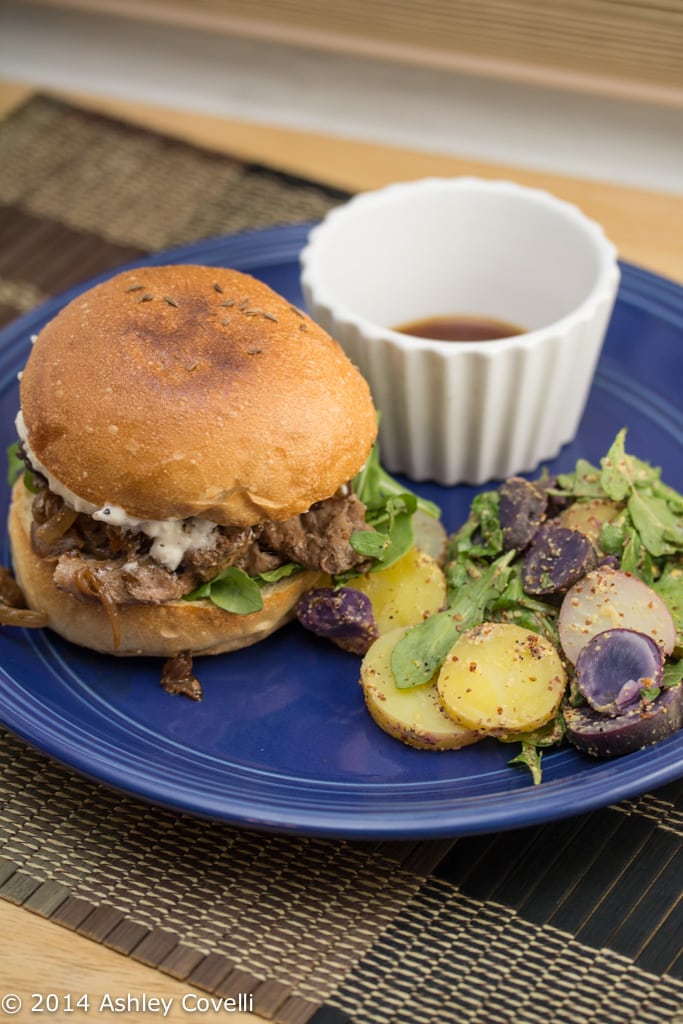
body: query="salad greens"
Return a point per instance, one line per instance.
(234, 590)
(534, 743)
(644, 536)
(650, 524)
(390, 508)
(15, 465)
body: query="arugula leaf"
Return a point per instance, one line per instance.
(373, 486)
(389, 486)
(650, 526)
(655, 510)
(673, 673)
(15, 465)
(481, 534)
(533, 745)
(233, 590)
(422, 649)
(669, 586)
(637, 559)
(366, 483)
(615, 477)
(389, 511)
(530, 757)
(661, 531)
(280, 573)
(401, 540)
(370, 543)
(584, 482)
(616, 534)
(516, 606)
(392, 534)
(473, 588)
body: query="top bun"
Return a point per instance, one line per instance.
(183, 391)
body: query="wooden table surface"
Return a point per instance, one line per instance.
(37, 956)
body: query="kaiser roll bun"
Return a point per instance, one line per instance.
(180, 391)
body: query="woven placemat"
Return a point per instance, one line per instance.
(575, 922)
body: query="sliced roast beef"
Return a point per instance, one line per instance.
(231, 546)
(118, 582)
(319, 538)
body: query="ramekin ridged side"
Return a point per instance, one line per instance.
(473, 412)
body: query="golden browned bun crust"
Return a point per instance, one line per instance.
(194, 391)
(156, 630)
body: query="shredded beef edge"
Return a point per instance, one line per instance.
(111, 565)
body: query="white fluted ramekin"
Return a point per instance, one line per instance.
(466, 412)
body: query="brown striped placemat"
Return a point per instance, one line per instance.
(574, 922)
(80, 193)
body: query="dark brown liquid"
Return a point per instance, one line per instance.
(460, 328)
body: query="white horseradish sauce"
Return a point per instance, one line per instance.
(172, 537)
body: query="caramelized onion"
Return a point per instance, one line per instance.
(57, 525)
(13, 610)
(22, 617)
(10, 591)
(45, 505)
(51, 549)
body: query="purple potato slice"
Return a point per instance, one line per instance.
(607, 736)
(557, 559)
(521, 511)
(615, 666)
(342, 615)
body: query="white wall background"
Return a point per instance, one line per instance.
(433, 110)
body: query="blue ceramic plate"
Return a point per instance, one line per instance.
(281, 740)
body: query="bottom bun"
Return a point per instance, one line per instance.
(197, 627)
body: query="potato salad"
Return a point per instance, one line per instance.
(554, 614)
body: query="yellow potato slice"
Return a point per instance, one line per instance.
(431, 536)
(499, 679)
(588, 517)
(414, 716)
(405, 593)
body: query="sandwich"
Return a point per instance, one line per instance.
(190, 439)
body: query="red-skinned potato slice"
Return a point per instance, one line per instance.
(608, 598)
